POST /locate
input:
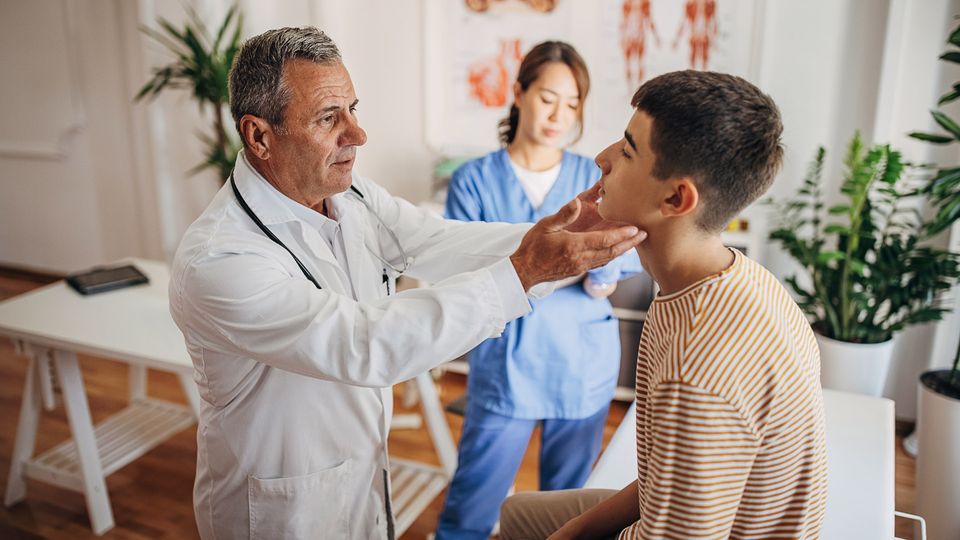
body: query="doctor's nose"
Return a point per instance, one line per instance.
(353, 135)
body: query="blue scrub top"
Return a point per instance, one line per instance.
(562, 359)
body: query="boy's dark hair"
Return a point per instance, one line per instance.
(718, 129)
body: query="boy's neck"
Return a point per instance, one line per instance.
(678, 259)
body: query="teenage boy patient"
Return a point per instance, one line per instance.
(730, 425)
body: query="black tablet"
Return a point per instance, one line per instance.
(106, 279)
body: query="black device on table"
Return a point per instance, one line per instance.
(103, 279)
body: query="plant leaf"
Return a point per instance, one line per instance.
(931, 137)
(946, 122)
(951, 56)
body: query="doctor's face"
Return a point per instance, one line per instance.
(316, 146)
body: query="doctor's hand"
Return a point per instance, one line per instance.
(551, 250)
(589, 218)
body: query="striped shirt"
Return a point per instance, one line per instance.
(730, 425)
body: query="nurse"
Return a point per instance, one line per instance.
(558, 365)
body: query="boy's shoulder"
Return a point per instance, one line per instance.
(743, 324)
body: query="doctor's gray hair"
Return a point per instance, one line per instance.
(256, 81)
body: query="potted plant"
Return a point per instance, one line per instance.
(202, 65)
(869, 275)
(938, 395)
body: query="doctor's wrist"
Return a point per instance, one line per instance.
(525, 276)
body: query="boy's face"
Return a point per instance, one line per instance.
(629, 191)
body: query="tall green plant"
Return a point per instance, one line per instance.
(202, 65)
(944, 188)
(869, 275)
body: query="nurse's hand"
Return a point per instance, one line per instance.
(551, 250)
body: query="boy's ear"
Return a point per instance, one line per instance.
(682, 197)
(257, 134)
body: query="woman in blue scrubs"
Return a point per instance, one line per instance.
(557, 366)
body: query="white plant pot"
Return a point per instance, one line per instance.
(854, 367)
(938, 462)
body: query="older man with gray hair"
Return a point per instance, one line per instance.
(284, 289)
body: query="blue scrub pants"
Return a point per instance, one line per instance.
(491, 449)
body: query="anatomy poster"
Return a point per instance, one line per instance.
(473, 49)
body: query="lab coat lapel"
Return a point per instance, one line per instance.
(321, 257)
(297, 235)
(353, 224)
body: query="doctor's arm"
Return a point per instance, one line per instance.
(267, 314)
(579, 241)
(465, 203)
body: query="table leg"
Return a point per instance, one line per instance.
(26, 435)
(138, 382)
(437, 423)
(193, 395)
(81, 426)
(45, 374)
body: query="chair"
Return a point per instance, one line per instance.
(860, 466)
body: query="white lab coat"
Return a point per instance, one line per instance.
(295, 381)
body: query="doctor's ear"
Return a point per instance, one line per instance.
(258, 135)
(682, 197)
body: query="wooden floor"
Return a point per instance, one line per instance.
(151, 497)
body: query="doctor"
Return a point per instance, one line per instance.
(284, 291)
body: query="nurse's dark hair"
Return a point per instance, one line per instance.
(542, 54)
(256, 79)
(721, 131)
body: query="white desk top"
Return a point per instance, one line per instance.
(132, 324)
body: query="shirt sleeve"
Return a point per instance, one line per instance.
(265, 314)
(440, 248)
(700, 454)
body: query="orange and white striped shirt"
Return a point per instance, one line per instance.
(730, 425)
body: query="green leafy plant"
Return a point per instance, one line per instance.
(944, 189)
(202, 65)
(870, 276)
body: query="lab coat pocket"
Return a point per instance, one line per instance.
(309, 506)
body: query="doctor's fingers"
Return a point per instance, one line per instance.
(590, 195)
(609, 236)
(563, 217)
(602, 254)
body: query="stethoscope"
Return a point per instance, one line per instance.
(356, 192)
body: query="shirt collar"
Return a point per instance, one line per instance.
(272, 206)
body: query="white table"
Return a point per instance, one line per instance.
(51, 325)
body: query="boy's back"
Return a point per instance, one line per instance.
(730, 425)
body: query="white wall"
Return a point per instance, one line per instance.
(118, 182)
(66, 161)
